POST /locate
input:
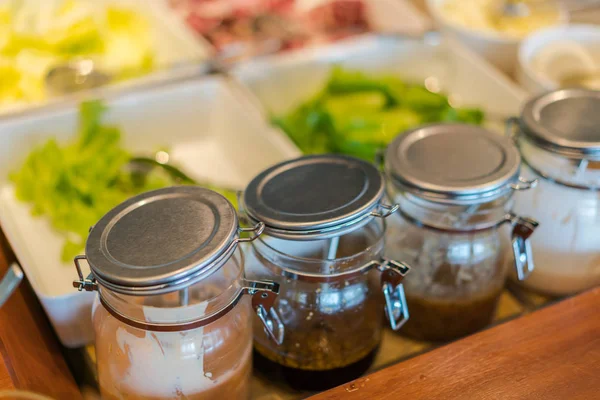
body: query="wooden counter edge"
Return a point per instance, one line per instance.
(30, 355)
(553, 353)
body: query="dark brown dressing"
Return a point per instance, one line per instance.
(313, 380)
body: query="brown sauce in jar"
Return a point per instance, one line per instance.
(322, 350)
(313, 380)
(446, 319)
(468, 309)
(332, 330)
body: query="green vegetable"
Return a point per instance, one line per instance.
(38, 35)
(357, 114)
(75, 184)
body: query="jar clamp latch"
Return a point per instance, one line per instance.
(522, 230)
(264, 295)
(396, 309)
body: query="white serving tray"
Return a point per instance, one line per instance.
(177, 48)
(213, 132)
(282, 82)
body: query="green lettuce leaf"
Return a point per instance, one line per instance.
(75, 184)
(358, 114)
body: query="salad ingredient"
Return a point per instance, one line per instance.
(358, 115)
(75, 184)
(36, 36)
(286, 24)
(486, 16)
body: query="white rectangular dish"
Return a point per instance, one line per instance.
(177, 49)
(212, 131)
(282, 82)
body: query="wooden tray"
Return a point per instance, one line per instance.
(551, 354)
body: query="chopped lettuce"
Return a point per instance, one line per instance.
(357, 114)
(75, 184)
(36, 36)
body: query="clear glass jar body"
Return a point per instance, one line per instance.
(457, 276)
(213, 361)
(332, 329)
(566, 245)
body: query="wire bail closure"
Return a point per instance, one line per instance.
(257, 229)
(522, 229)
(385, 210)
(263, 295)
(524, 184)
(88, 284)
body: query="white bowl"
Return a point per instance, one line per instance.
(498, 49)
(572, 38)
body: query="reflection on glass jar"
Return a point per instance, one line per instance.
(558, 139)
(172, 321)
(331, 300)
(454, 184)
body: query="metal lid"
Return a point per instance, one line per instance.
(565, 121)
(315, 196)
(457, 163)
(162, 239)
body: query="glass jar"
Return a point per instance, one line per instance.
(324, 241)
(171, 319)
(557, 135)
(455, 184)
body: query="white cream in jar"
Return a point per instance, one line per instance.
(210, 362)
(566, 245)
(560, 141)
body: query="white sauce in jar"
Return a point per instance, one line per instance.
(566, 245)
(211, 362)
